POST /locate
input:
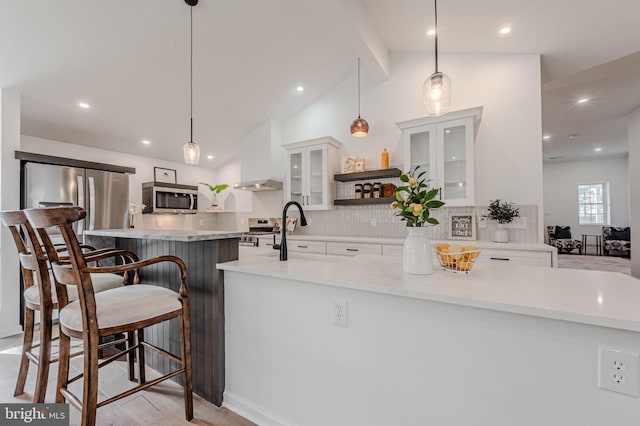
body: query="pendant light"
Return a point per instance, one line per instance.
(191, 149)
(359, 127)
(437, 88)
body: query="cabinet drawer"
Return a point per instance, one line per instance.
(515, 257)
(353, 249)
(392, 250)
(319, 247)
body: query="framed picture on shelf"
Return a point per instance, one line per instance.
(164, 175)
(462, 226)
(360, 165)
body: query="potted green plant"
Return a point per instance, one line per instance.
(502, 212)
(414, 202)
(215, 190)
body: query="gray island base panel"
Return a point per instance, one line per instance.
(205, 285)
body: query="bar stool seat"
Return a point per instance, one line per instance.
(101, 282)
(121, 306)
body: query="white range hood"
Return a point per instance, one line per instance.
(262, 159)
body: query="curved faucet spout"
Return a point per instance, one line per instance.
(283, 227)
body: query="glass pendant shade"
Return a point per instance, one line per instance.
(437, 93)
(191, 153)
(359, 128)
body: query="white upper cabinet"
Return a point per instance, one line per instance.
(443, 147)
(310, 168)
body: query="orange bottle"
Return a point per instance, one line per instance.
(385, 159)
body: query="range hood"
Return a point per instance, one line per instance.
(262, 158)
(259, 185)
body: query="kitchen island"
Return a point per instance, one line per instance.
(200, 250)
(503, 345)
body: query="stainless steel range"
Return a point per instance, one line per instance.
(260, 227)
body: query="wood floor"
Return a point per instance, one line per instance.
(159, 405)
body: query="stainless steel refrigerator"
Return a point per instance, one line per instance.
(104, 195)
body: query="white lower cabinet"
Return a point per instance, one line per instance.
(301, 246)
(392, 250)
(353, 249)
(515, 257)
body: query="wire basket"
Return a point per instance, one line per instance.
(461, 261)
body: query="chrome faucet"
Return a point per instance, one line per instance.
(283, 227)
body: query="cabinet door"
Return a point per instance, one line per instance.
(420, 150)
(316, 174)
(455, 161)
(295, 173)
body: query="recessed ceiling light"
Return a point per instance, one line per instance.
(447, 131)
(583, 100)
(453, 158)
(572, 137)
(299, 89)
(210, 157)
(505, 30)
(546, 137)
(431, 32)
(146, 142)
(598, 149)
(84, 105)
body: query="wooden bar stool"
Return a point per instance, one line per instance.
(43, 299)
(121, 310)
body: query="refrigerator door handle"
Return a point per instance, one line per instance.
(81, 224)
(92, 202)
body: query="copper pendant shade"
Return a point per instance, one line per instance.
(191, 150)
(359, 127)
(437, 88)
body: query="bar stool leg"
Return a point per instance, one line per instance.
(27, 342)
(63, 365)
(44, 357)
(185, 349)
(90, 386)
(141, 365)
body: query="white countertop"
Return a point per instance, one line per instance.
(164, 234)
(400, 241)
(606, 299)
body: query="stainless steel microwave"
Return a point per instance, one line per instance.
(159, 197)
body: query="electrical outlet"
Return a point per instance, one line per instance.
(618, 371)
(482, 222)
(339, 312)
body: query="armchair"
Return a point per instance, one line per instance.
(617, 239)
(560, 237)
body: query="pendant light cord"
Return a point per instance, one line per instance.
(191, 81)
(358, 86)
(435, 7)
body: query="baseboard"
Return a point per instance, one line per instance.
(254, 412)
(10, 331)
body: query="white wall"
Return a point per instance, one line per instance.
(634, 188)
(9, 200)
(561, 179)
(508, 148)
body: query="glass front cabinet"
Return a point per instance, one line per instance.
(310, 168)
(443, 147)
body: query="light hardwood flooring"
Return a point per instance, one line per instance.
(159, 405)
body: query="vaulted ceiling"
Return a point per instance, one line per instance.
(130, 61)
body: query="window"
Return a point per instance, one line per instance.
(593, 203)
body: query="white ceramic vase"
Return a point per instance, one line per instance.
(501, 234)
(416, 258)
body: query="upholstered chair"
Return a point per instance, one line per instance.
(127, 309)
(560, 237)
(616, 239)
(40, 295)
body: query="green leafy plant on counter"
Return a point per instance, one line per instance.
(414, 200)
(502, 212)
(215, 189)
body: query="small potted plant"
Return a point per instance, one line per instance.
(502, 212)
(414, 201)
(215, 190)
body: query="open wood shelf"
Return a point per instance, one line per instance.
(364, 201)
(368, 174)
